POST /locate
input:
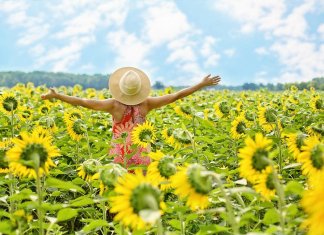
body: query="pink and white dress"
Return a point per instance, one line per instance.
(131, 118)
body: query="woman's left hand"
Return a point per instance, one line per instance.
(210, 81)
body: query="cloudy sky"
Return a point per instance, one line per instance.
(173, 41)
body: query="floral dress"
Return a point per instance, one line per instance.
(131, 118)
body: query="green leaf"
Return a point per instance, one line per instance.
(175, 224)
(81, 201)
(191, 217)
(294, 187)
(5, 227)
(271, 217)
(94, 225)
(56, 183)
(66, 214)
(211, 229)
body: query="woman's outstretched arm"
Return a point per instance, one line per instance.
(101, 105)
(157, 102)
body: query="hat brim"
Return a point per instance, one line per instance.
(129, 99)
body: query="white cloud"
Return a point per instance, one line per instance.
(287, 28)
(129, 49)
(303, 60)
(164, 22)
(230, 52)
(320, 31)
(261, 51)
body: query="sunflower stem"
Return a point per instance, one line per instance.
(182, 223)
(281, 196)
(88, 144)
(280, 150)
(229, 207)
(104, 216)
(12, 207)
(160, 227)
(40, 199)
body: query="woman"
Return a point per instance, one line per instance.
(130, 88)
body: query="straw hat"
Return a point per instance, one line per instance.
(129, 85)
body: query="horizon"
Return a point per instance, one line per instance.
(174, 42)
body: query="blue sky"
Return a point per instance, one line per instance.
(176, 42)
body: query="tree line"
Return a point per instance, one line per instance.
(99, 81)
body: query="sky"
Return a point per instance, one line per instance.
(177, 42)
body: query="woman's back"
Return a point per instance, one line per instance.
(122, 129)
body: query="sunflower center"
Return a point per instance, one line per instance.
(169, 132)
(223, 106)
(259, 159)
(10, 103)
(270, 181)
(145, 197)
(317, 156)
(166, 167)
(300, 140)
(31, 150)
(3, 163)
(270, 115)
(319, 104)
(44, 110)
(75, 115)
(200, 179)
(145, 135)
(78, 128)
(185, 109)
(182, 136)
(240, 128)
(26, 114)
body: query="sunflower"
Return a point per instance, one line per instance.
(193, 183)
(221, 109)
(312, 158)
(295, 142)
(181, 138)
(254, 157)
(76, 128)
(267, 118)
(313, 204)
(25, 114)
(143, 134)
(316, 130)
(265, 184)
(8, 103)
(30, 153)
(45, 108)
(161, 169)
(184, 111)
(316, 103)
(135, 195)
(71, 115)
(89, 170)
(109, 175)
(239, 126)
(167, 134)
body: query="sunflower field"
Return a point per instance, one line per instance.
(222, 162)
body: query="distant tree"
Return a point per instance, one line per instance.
(250, 86)
(158, 85)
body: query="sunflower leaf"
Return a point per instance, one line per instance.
(56, 183)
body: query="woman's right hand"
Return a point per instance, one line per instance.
(49, 95)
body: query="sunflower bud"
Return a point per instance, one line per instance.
(166, 167)
(200, 179)
(110, 173)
